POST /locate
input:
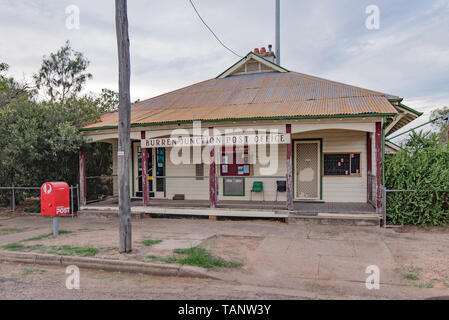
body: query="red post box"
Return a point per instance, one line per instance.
(55, 200)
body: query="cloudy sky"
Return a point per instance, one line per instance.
(170, 48)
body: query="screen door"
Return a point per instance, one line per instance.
(307, 170)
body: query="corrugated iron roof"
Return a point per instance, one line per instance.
(262, 95)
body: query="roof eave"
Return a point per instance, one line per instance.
(359, 115)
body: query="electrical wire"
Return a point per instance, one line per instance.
(216, 37)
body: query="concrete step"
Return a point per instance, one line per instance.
(348, 219)
(107, 214)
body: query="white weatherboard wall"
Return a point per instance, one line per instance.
(199, 189)
(269, 184)
(335, 189)
(342, 189)
(191, 188)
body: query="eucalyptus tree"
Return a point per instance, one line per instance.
(63, 74)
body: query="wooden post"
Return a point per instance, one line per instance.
(144, 155)
(288, 177)
(124, 124)
(82, 172)
(379, 166)
(369, 165)
(212, 178)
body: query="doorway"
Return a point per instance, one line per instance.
(307, 170)
(139, 172)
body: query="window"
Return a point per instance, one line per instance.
(342, 164)
(234, 162)
(199, 171)
(160, 169)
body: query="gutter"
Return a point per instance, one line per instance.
(178, 122)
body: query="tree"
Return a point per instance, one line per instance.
(40, 139)
(63, 74)
(124, 125)
(108, 101)
(9, 88)
(441, 125)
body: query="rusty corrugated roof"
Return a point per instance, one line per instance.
(262, 95)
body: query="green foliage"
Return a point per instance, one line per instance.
(63, 74)
(422, 166)
(40, 139)
(196, 256)
(150, 242)
(46, 235)
(9, 88)
(27, 272)
(441, 125)
(64, 250)
(4, 231)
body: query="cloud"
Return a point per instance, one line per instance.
(171, 48)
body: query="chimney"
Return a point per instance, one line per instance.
(269, 55)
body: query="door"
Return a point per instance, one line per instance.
(139, 172)
(307, 170)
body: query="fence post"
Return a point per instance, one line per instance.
(384, 206)
(71, 200)
(77, 197)
(13, 199)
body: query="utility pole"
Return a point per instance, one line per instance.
(124, 124)
(278, 32)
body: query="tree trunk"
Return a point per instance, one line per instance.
(121, 20)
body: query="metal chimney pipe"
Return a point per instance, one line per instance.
(278, 32)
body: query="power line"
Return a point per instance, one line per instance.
(216, 37)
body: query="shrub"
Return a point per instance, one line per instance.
(422, 166)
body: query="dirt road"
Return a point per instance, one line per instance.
(280, 261)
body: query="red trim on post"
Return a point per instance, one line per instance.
(82, 167)
(144, 155)
(212, 178)
(369, 163)
(379, 166)
(288, 177)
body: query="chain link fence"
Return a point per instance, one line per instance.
(29, 198)
(98, 188)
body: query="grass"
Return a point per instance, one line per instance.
(150, 242)
(46, 235)
(27, 272)
(424, 285)
(410, 276)
(142, 280)
(413, 273)
(4, 231)
(197, 257)
(15, 246)
(106, 277)
(66, 250)
(63, 250)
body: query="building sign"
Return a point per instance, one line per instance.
(249, 139)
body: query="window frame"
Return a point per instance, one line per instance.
(350, 175)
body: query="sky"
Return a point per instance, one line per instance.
(407, 56)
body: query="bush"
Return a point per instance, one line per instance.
(422, 166)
